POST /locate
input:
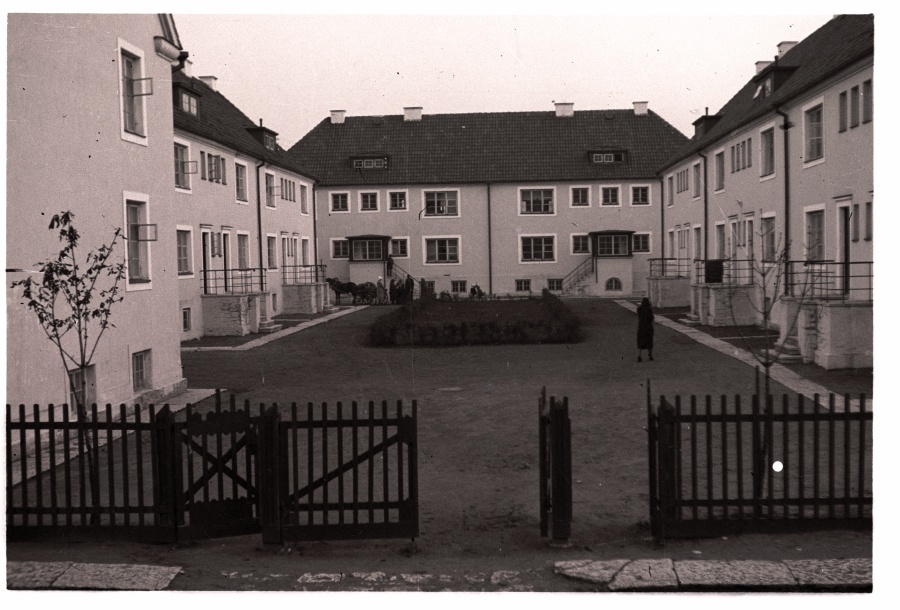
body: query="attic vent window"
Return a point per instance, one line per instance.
(608, 157)
(269, 141)
(189, 103)
(380, 163)
(764, 90)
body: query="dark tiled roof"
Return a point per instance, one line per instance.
(221, 121)
(834, 46)
(489, 147)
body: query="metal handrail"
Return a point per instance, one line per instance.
(670, 267)
(302, 274)
(827, 279)
(577, 274)
(232, 281)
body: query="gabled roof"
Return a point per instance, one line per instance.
(836, 45)
(221, 121)
(488, 147)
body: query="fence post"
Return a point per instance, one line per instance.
(543, 471)
(666, 436)
(269, 501)
(561, 471)
(652, 441)
(168, 481)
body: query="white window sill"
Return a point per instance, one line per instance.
(181, 189)
(186, 276)
(537, 262)
(442, 263)
(339, 212)
(768, 177)
(719, 191)
(813, 163)
(138, 286)
(135, 138)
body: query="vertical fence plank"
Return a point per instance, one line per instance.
(325, 462)
(139, 453)
(248, 460)
(340, 459)
(724, 457)
(385, 462)
(154, 471)
(371, 462)
(126, 465)
(654, 498)
(414, 465)
(709, 458)
(755, 458)
(23, 462)
(354, 413)
(679, 494)
(310, 463)
(95, 476)
(232, 410)
(786, 451)
(295, 460)
(10, 503)
(401, 438)
(67, 468)
(51, 443)
(832, 449)
(801, 458)
(38, 477)
(861, 467)
(694, 484)
(220, 476)
(204, 443)
(110, 465)
(770, 453)
(189, 454)
(847, 421)
(739, 449)
(815, 456)
(83, 445)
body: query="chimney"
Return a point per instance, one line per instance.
(784, 47)
(640, 108)
(337, 116)
(564, 108)
(188, 68)
(412, 113)
(762, 65)
(209, 81)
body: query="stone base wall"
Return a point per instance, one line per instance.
(227, 315)
(728, 305)
(844, 335)
(306, 298)
(669, 291)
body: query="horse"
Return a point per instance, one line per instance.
(340, 288)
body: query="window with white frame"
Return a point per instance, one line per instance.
(555, 284)
(215, 168)
(867, 101)
(288, 190)
(441, 203)
(399, 247)
(613, 284)
(184, 252)
(670, 191)
(854, 106)
(720, 241)
(523, 285)
(842, 111)
(854, 223)
(304, 205)
(613, 245)
(141, 374)
(181, 167)
(815, 235)
(681, 181)
(767, 152)
(581, 196)
(272, 252)
(134, 88)
(185, 319)
(640, 195)
(189, 103)
(442, 250)
(340, 202)
(869, 226)
(240, 182)
(269, 141)
(138, 246)
(640, 242)
(340, 248)
(397, 200)
(814, 134)
(609, 195)
(368, 202)
(538, 249)
(769, 242)
(270, 191)
(81, 386)
(243, 248)
(581, 244)
(698, 182)
(719, 161)
(458, 286)
(536, 201)
(368, 250)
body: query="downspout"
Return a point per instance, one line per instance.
(259, 236)
(705, 208)
(785, 126)
(315, 233)
(662, 220)
(182, 57)
(490, 247)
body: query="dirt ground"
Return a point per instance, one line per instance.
(478, 473)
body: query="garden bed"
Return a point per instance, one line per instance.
(448, 323)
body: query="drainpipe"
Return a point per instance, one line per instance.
(705, 208)
(785, 126)
(490, 247)
(259, 235)
(662, 220)
(182, 57)
(315, 233)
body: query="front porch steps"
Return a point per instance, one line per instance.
(268, 327)
(691, 319)
(786, 352)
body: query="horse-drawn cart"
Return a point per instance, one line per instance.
(361, 293)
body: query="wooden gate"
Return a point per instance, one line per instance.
(213, 479)
(343, 475)
(555, 471)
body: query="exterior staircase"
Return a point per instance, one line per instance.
(786, 352)
(268, 326)
(574, 282)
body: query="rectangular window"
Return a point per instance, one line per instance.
(581, 244)
(212, 168)
(580, 196)
(720, 241)
(854, 106)
(670, 198)
(523, 285)
(368, 250)
(188, 103)
(640, 195)
(867, 101)
(181, 159)
(733, 164)
(612, 245)
(138, 250)
(186, 319)
(304, 206)
(397, 201)
(640, 242)
(842, 111)
(441, 203)
(240, 182)
(133, 86)
(442, 250)
(868, 221)
(458, 286)
(555, 285)
(184, 253)
(768, 152)
(537, 201)
(243, 246)
(854, 223)
(769, 244)
(697, 180)
(140, 371)
(272, 252)
(368, 202)
(815, 145)
(720, 170)
(339, 202)
(749, 149)
(399, 248)
(610, 195)
(340, 248)
(815, 235)
(270, 191)
(202, 165)
(681, 179)
(81, 384)
(537, 249)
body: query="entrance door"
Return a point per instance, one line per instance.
(205, 261)
(844, 240)
(226, 254)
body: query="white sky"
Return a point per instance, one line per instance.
(291, 70)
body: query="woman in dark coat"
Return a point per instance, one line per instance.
(645, 328)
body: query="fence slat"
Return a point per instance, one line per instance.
(755, 458)
(295, 460)
(23, 462)
(709, 459)
(310, 461)
(9, 468)
(862, 454)
(325, 461)
(694, 486)
(354, 412)
(67, 468)
(38, 479)
(220, 476)
(679, 493)
(139, 451)
(816, 456)
(740, 455)
(189, 455)
(51, 441)
(786, 453)
(770, 454)
(831, 451)
(371, 480)
(801, 459)
(847, 421)
(110, 464)
(340, 459)
(385, 463)
(232, 409)
(400, 445)
(126, 464)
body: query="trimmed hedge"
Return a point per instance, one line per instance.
(441, 323)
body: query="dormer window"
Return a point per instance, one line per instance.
(269, 141)
(370, 163)
(189, 103)
(764, 90)
(608, 157)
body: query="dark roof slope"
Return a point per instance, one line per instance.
(221, 121)
(836, 45)
(489, 147)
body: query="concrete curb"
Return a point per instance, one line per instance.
(778, 372)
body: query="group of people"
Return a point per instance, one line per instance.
(397, 292)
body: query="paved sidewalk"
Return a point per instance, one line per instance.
(65, 575)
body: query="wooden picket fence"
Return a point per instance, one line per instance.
(770, 468)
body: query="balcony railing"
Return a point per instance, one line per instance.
(729, 271)
(670, 267)
(232, 281)
(830, 280)
(302, 274)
